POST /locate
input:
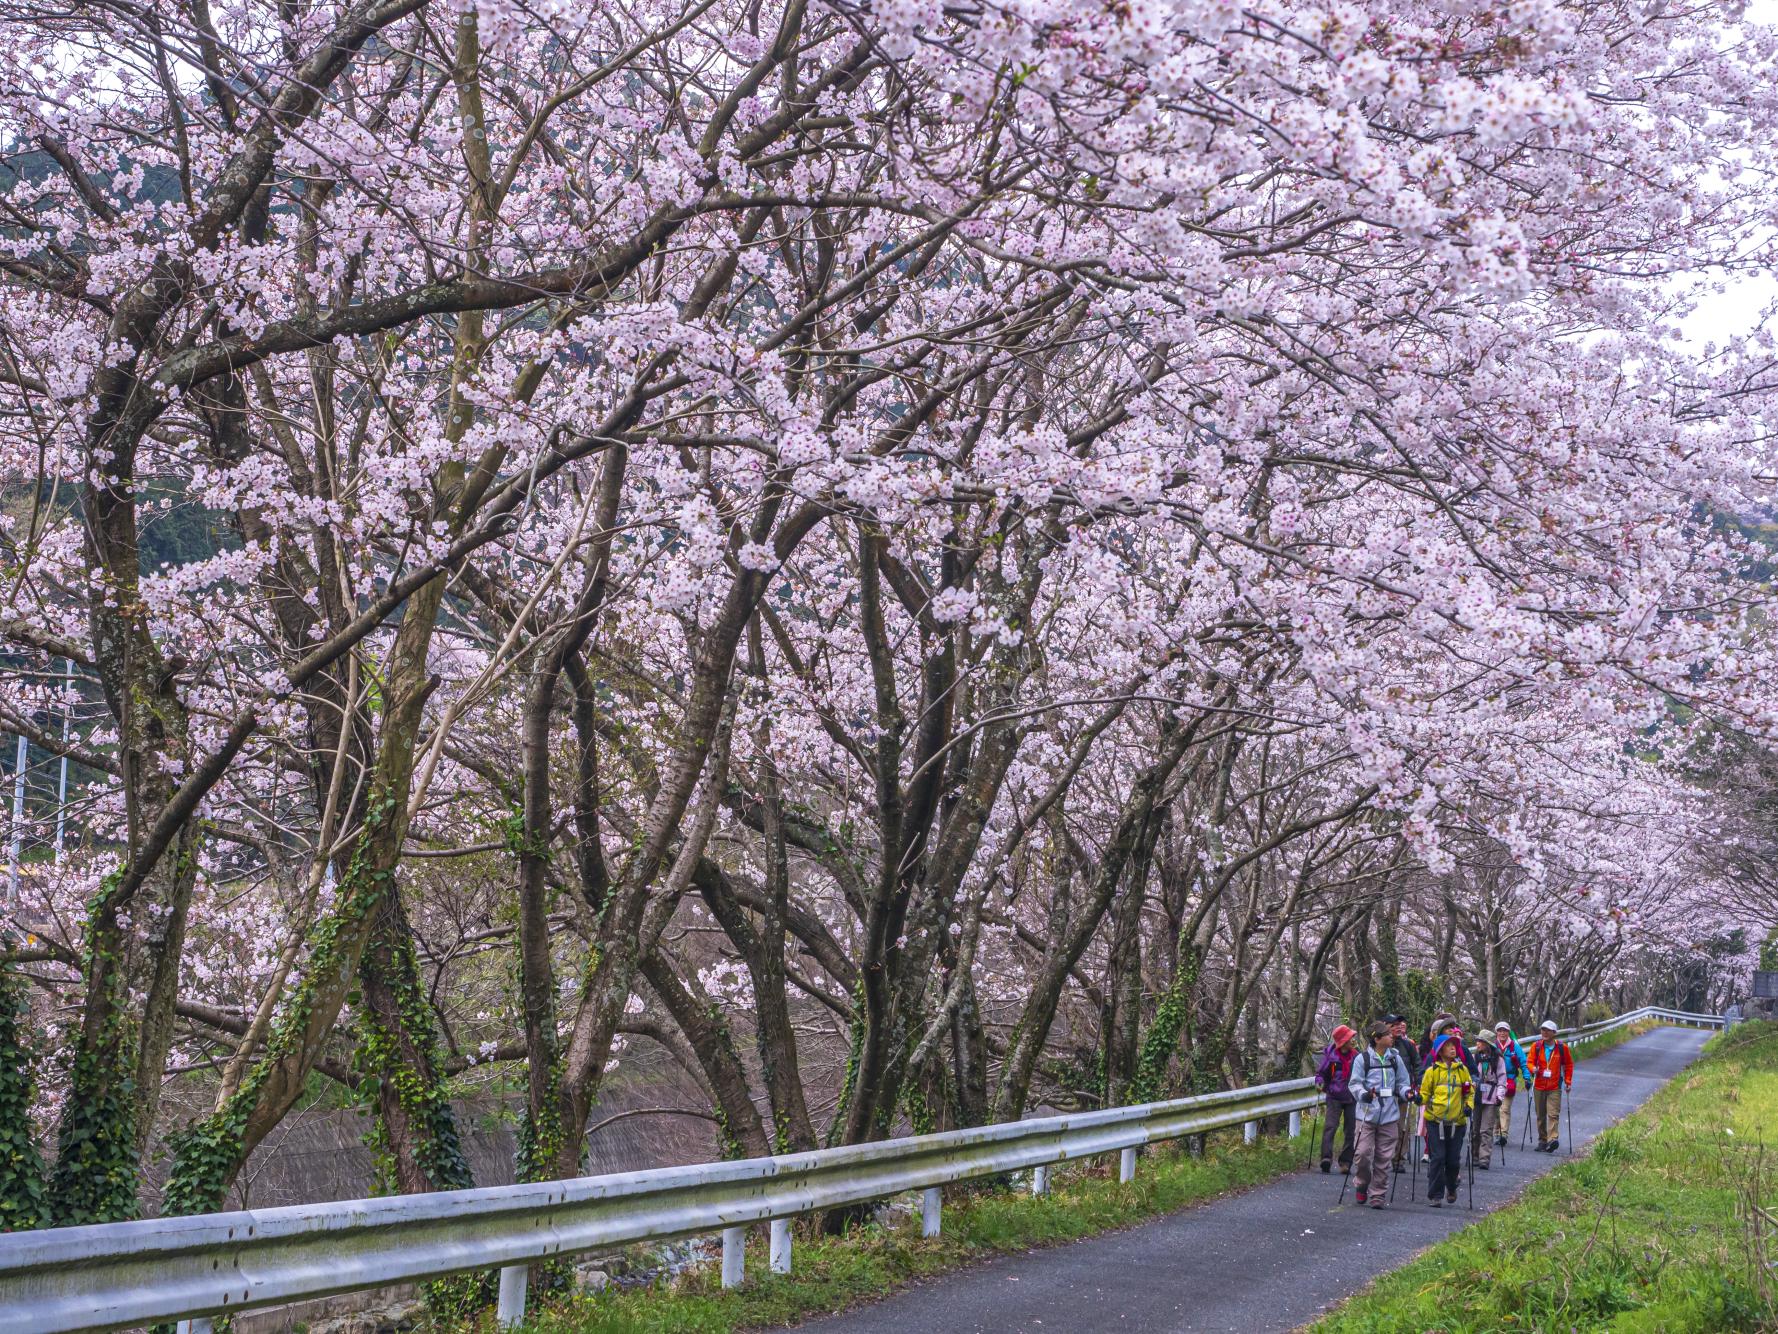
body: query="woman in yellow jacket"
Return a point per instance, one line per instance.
(1449, 1097)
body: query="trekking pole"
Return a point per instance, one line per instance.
(1472, 1153)
(1568, 1106)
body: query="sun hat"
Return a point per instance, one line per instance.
(1343, 1032)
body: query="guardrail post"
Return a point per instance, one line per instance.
(930, 1205)
(1250, 1132)
(1296, 1123)
(513, 1281)
(1126, 1165)
(1040, 1181)
(780, 1245)
(197, 1325)
(734, 1256)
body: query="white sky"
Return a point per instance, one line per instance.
(1737, 309)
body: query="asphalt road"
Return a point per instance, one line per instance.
(1269, 1259)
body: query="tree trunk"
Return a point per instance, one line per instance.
(1123, 985)
(1134, 840)
(707, 1031)
(416, 1139)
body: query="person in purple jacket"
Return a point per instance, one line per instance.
(1333, 1076)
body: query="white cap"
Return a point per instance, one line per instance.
(1549, 1024)
(1500, 1024)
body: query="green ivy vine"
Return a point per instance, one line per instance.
(1162, 1038)
(420, 1092)
(24, 1201)
(94, 1180)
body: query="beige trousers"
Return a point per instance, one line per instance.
(1549, 1114)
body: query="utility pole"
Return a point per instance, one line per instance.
(62, 785)
(18, 821)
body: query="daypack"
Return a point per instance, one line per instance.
(1490, 1079)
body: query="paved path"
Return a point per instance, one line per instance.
(1269, 1259)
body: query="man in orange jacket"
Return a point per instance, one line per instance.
(1552, 1071)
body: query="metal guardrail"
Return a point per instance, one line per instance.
(108, 1276)
(191, 1269)
(1683, 1018)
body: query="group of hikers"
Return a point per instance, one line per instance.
(1455, 1086)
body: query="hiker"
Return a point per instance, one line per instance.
(1552, 1072)
(1513, 1059)
(1449, 1094)
(1382, 1084)
(1490, 1091)
(1403, 1045)
(1333, 1077)
(1406, 1048)
(1445, 1024)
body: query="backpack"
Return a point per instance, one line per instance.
(1367, 1061)
(1335, 1073)
(1490, 1079)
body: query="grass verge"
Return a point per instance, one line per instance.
(1605, 1042)
(1645, 1233)
(833, 1273)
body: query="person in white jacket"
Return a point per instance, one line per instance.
(1382, 1086)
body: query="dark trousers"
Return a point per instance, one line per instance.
(1445, 1144)
(1338, 1114)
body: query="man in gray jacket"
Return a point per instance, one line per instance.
(1382, 1085)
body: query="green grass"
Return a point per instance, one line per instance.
(1643, 1234)
(1616, 1038)
(832, 1273)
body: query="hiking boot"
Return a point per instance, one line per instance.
(1483, 1166)
(1377, 1204)
(1451, 1199)
(1555, 1144)
(1326, 1165)
(1436, 1204)
(1543, 1146)
(1425, 1157)
(1362, 1197)
(1500, 1141)
(1345, 1169)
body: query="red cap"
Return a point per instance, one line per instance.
(1343, 1032)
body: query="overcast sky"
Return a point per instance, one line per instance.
(1738, 308)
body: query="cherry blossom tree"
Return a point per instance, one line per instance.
(924, 562)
